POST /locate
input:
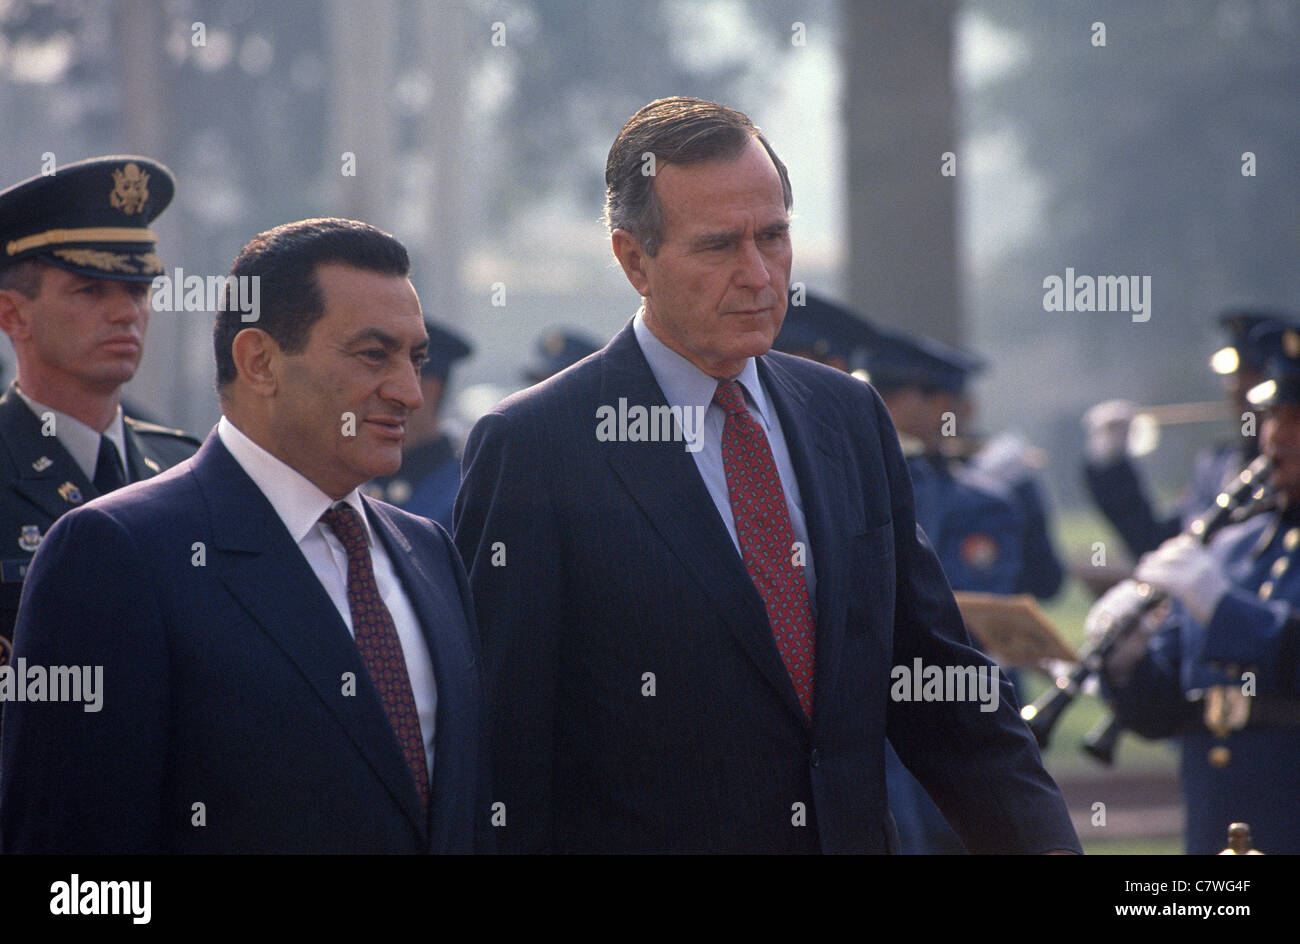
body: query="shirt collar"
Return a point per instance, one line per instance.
(683, 383)
(81, 442)
(295, 498)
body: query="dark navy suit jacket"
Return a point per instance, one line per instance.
(224, 685)
(639, 702)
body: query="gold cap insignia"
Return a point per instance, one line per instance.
(98, 259)
(1291, 343)
(130, 189)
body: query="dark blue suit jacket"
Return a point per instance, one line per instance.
(639, 701)
(224, 685)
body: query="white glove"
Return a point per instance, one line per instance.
(1121, 600)
(1187, 572)
(1107, 425)
(1007, 457)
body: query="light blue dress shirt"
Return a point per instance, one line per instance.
(686, 386)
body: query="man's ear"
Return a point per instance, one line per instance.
(15, 314)
(632, 257)
(257, 358)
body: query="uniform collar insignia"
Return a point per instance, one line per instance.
(43, 463)
(29, 538)
(70, 493)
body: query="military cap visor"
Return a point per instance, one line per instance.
(557, 349)
(1281, 343)
(1245, 327)
(901, 360)
(818, 326)
(91, 218)
(446, 347)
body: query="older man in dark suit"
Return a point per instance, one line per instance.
(287, 666)
(697, 568)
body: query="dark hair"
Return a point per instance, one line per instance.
(23, 277)
(676, 131)
(285, 260)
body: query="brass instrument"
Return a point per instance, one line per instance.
(1249, 495)
(1144, 431)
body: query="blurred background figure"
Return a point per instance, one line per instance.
(1112, 475)
(1009, 459)
(974, 522)
(818, 329)
(555, 350)
(430, 474)
(1221, 672)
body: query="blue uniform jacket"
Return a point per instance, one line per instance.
(1257, 628)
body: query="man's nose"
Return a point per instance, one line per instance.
(751, 268)
(404, 387)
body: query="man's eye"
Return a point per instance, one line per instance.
(375, 354)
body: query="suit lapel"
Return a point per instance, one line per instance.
(816, 453)
(439, 609)
(263, 569)
(663, 480)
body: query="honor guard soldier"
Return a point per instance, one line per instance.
(973, 521)
(555, 350)
(1221, 671)
(427, 482)
(76, 260)
(1111, 475)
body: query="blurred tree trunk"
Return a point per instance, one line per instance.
(363, 50)
(441, 136)
(899, 116)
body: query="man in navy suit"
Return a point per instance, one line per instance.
(287, 666)
(696, 565)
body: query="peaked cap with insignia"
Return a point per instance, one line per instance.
(91, 218)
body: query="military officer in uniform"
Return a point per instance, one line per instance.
(1112, 477)
(426, 483)
(76, 260)
(556, 349)
(1222, 670)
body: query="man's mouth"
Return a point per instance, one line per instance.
(388, 427)
(121, 342)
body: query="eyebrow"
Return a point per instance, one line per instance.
(383, 338)
(728, 237)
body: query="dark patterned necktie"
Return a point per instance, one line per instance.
(767, 537)
(381, 650)
(108, 467)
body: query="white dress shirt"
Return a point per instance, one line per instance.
(80, 440)
(300, 504)
(686, 386)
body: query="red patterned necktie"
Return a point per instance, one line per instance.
(381, 650)
(767, 537)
